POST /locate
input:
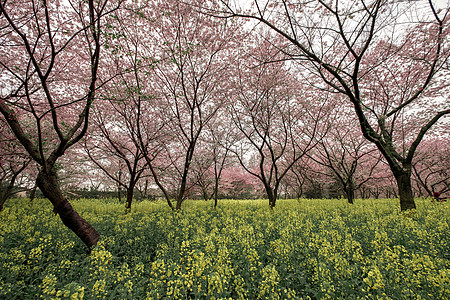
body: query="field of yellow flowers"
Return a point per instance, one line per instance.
(303, 249)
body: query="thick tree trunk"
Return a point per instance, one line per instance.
(350, 192)
(129, 200)
(272, 195)
(48, 184)
(405, 191)
(179, 201)
(272, 203)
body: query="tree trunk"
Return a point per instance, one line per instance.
(272, 195)
(216, 190)
(119, 193)
(4, 196)
(351, 196)
(215, 197)
(129, 199)
(119, 187)
(7, 192)
(376, 193)
(33, 192)
(48, 184)
(179, 201)
(272, 202)
(205, 194)
(405, 191)
(145, 196)
(350, 192)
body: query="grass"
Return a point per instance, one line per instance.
(303, 249)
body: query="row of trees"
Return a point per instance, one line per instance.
(338, 170)
(179, 96)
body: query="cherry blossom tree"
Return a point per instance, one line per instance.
(236, 183)
(189, 79)
(431, 167)
(296, 179)
(346, 155)
(278, 125)
(222, 138)
(113, 144)
(118, 144)
(213, 155)
(49, 61)
(387, 60)
(13, 161)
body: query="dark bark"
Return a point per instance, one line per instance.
(349, 190)
(119, 193)
(180, 200)
(145, 193)
(4, 195)
(129, 199)
(48, 183)
(405, 191)
(350, 193)
(216, 191)
(272, 202)
(272, 195)
(187, 164)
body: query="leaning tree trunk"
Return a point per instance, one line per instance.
(48, 184)
(405, 190)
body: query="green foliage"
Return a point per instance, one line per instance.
(318, 249)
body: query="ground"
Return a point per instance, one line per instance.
(318, 249)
